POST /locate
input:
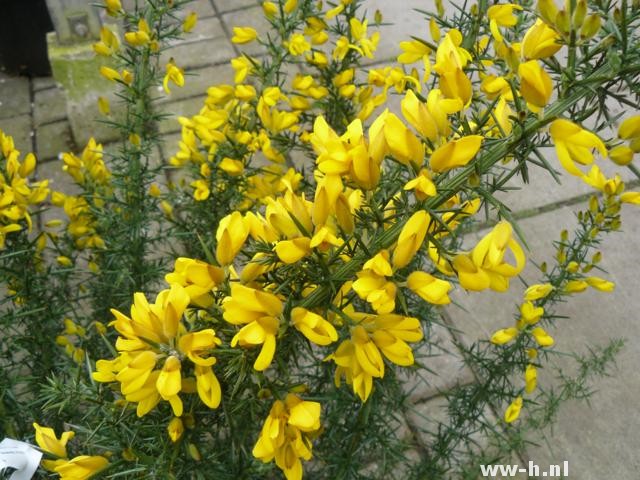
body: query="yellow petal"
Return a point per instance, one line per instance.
(455, 153)
(169, 381)
(266, 353)
(513, 411)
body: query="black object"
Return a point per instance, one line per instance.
(23, 44)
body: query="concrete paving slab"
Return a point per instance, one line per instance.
(199, 54)
(19, 127)
(587, 436)
(205, 29)
(249, 17)
(196, 83)
(50, 105)
(59, 180)
(14, 96)
(52, 139)
(170, 145)
(400, 21)
(42, 83)
(204, 8)
(229, 5)
(542, 190)
(426, 418)
(439, 366)
(186, 108)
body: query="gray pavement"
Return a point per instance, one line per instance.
(600, 439)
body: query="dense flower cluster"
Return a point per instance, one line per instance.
(17, 192)
(330, 265)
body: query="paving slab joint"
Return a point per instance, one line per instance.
(533, 212)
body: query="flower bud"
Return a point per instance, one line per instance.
(621, 155)
(175, 429)
(548, 10)
(579, 14)
(563, 22)
(590, 27)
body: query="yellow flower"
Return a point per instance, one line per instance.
(575, 286)
(110, 73)
(540, 41)
(290, 6)
(530, 378)
(359, 359)
(494, 86)
(140, 37)
(292, 251)
(208, 386)
(485, 267)
(413, 51)
(127, 77)
(502, 16)
(535, 84)
(621, 155)
(455, 84)
(419, 116)
(574, 144)
(108, 44)
(270, 9)
(411, 238)
(422, 185)
(297, 44)
(365, 46)
(334, 11)
(103, 106)
(78, 468)
(630, 197)
(190, 22)
(174, 74)
(242, 66)
(344, 155)
(313, 326)
(286, 434)
(538, 291)
(201, 190)
(373, 286)
(113, 7)
(629, 128)
(513, 411)
(450, 55)
(242, 35)
(395, 139)
(82, 467)
(175, 429)
(230, 235)
(600, 284)
(48, 442)
(504, 335)
(231, 166)
(198, 277)
(259, 311)
(324, 238)
(146, 339)
(429, 288)
(280, 212)
(456, 153)
(542, 337)
(529, 314)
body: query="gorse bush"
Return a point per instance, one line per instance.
(261, 312)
